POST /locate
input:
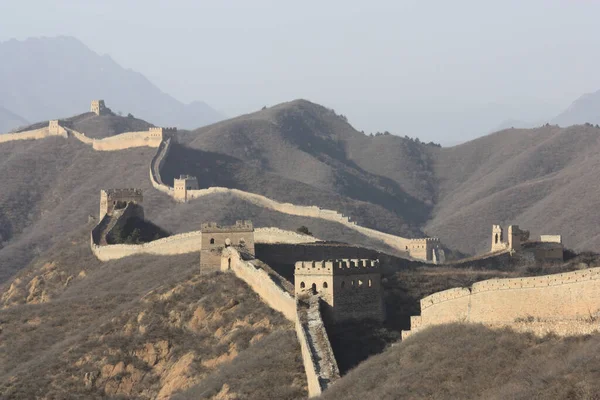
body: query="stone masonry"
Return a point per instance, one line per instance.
(350, 288)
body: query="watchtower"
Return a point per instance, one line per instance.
(53, 127)
(350, 288)
(98, 107)
(181, 186)
(111, 199)
(215, 238)
(428, 249)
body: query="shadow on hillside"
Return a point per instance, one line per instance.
(386, 206)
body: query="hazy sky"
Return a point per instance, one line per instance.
(437, 69)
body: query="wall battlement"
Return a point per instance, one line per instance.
(337, 267)
(425, 240)
(240, 226)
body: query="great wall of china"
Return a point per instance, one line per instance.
(565, 304)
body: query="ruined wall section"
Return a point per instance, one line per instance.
(566, 304)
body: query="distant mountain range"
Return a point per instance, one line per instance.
(42, 78)
(10, 120)
(584, 109)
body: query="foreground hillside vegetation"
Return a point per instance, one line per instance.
(473, 362)
(142, 327)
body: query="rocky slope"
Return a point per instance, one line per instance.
(143, 327)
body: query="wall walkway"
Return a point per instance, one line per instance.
(319, 362)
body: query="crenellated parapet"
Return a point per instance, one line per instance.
(240, 226)
(337, 267)
(426, 249)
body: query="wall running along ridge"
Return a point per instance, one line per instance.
(118, 142)
(319, 362)
(565, 304)
(145, 138)
(35, 134)
(182, 243)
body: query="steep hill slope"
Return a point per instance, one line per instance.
(142, 327)
(446, 362)
(9, 120)
(542, 179)
(43, 78)
(309, 144)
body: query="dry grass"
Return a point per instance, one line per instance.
(472, 362)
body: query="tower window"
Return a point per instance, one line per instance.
(343, 284)
(314, 288)
(324, 285)
(212, 240)
(302, 285)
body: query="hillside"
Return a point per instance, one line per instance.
(142, 327)
(10, 120)
(541, 179)
(60, 87)
(446, 362)
(308, 144)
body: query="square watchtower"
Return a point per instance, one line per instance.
(98, 107)
(350, 288)
(215, 238)
(182, 185)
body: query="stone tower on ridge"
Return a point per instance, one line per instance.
(98, 107)
(181, 186)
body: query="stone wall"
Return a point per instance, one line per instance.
(34, 134)
(272, 292)
(396, 242)
(156, 164)
(319, 363)
(126, 140)
(276, 235)
(177, 244)
(566, 304)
